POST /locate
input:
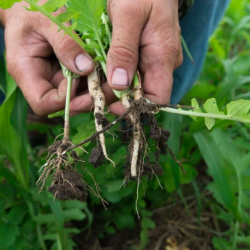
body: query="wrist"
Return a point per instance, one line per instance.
(184, 6)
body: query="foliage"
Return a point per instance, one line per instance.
(43, 223)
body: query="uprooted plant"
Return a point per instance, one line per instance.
(93, 33)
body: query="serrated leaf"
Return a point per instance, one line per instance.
(239, 109)
(211, 107)
(73, 214)
(90, 13)
(6, 4)
(67, 16)
(45, 218)
(53, 5)
(93, 45)
(195, 104)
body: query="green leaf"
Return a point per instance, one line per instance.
(197, 109)
(6, 4)
(216, 165)
(239, 109)
(56, 114)
(89, 14)
(45, 218)
(73, 214)
(211, 107)
(67, 16)
(236, 111)
(8, 234)
(53, 5)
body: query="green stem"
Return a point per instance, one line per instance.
(204, 115)
(69, 86)
(239, 190)
(67, 103)
(105, 21)
(236, 230)
(73, 35)
(101, 46)
(38, 226)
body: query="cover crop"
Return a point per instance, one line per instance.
(92, 30)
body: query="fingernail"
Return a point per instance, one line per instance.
(83, 62)
(120, 77)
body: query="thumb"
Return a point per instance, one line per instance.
(68, 52)
(122, 57)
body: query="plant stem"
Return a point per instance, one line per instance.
(236, 229)
(38, 226)
(67, 30)
(66, 119)
(105, 21)
(215, 116)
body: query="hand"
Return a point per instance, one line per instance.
(31, 44)
(146, 34)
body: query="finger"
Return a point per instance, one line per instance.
(38, 91)
(117, 109)
(84, 103)
(68, 52)
(160, 53)
(122, 58)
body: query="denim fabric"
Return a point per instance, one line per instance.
(197, 26)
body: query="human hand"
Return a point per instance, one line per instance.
(31, 44)
(146, 34)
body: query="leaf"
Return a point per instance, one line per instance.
(8, 234)
(53, 5)
(56, 114)
(89, 14)
(73, 214)
(6, 4)
(239, 109)
(215, 163)
(197, 109)
(211, 107)
(45, 218)
(67, 16)
(236, 111)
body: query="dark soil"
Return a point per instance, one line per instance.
(68, 185)
(97, 156)
(102, 120)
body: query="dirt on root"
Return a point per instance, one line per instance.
(101, 119)
(145, 114)
(97, 156)
(68, 185)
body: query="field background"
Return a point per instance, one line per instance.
(208, 208)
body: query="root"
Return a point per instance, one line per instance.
(98, 98)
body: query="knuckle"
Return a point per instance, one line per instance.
(123, 54)
(37, 107)
(64, 43)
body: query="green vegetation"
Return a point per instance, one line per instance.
(37, 221)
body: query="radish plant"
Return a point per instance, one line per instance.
(92, 30)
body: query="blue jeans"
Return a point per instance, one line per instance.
(197, 27)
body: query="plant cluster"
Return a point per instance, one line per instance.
(224, 149)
